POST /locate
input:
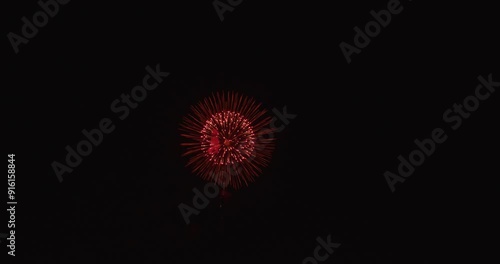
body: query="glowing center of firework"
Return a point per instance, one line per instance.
(227, 138)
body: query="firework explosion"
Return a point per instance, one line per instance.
(229, 140)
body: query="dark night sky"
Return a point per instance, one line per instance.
(326, 174)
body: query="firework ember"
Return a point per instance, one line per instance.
(228, 139)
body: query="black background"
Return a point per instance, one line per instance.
(326, 175)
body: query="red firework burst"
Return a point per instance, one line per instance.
(229, 139)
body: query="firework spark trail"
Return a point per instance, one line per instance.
(226, 143)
